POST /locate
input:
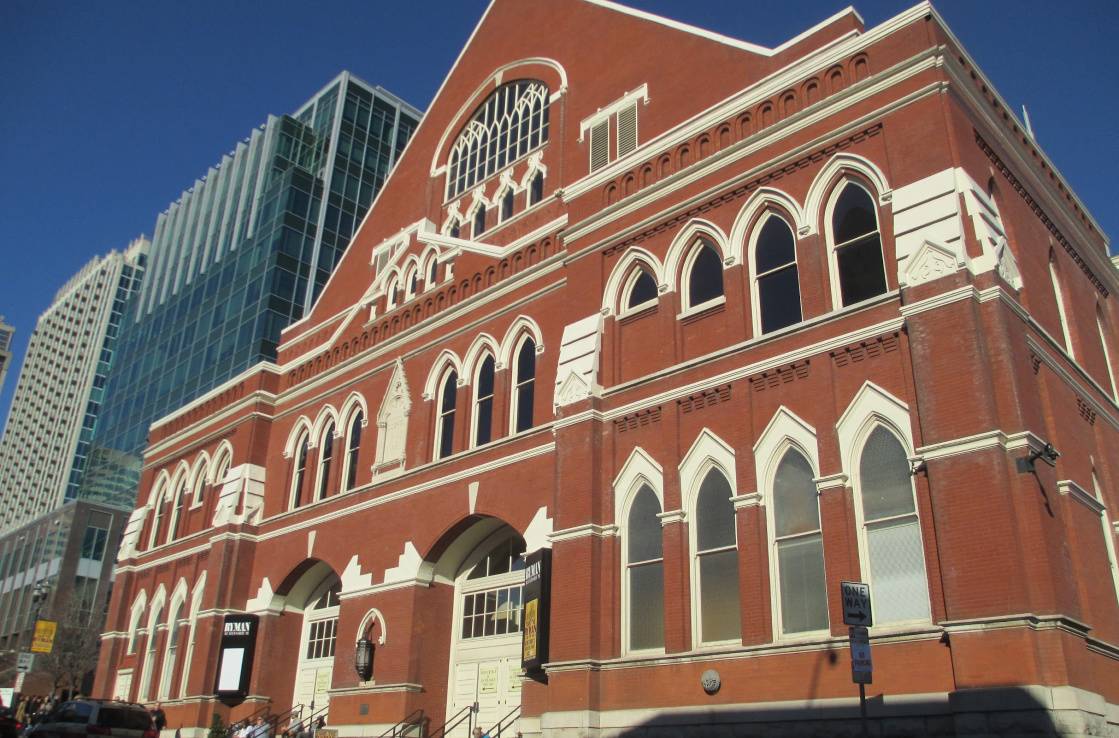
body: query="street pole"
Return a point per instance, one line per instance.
(862, 709)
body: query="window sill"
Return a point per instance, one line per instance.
(703, 309)
(638, 311)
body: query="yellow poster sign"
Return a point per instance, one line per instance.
(43, 641)
(528, 645)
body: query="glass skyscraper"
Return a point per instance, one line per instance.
(239, 256)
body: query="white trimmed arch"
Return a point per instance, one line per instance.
(200, 475)
(870, 407)
(828, 180)
(302, 426)
(785, 430)
(635, 257)
(195, 607)
(155, 611)
(518, 329)
(355, 402)
(707, 452)
(684, 244)
(373, 616)
(327, 415)
(223, 453)
(535, 165)
(640, 469)
(765, 198)
(482, 344)
(139, 604)
(162, 482)
(447, 359)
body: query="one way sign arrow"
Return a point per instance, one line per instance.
(856, 603)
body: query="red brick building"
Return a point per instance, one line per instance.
(722, 326)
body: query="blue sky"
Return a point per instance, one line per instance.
(111, 109)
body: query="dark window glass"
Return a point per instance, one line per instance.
(300, 472)
(507, 205)
(705, 282)
(644, 289)
(858, 246)
(536, 189)
(413, 284)
(645, 572)
(525, 384)
(778, 285)
(456, 229)
(447, 415)
(479, 222)
(351, 453)
(326, 456)
(432, 272)
(483, 405)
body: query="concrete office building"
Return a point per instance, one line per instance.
(718, 326)
(61, 386)
(242, 253)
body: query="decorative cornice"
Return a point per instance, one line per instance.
(1081, 495)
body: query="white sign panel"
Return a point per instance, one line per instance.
(230, 677)
(856, 603)
(6, 694)
(26, 659)
(861, 667)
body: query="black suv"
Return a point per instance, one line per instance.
(94, 718)
(9, 726)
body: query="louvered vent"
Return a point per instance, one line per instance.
(627, 130)
(600, 145)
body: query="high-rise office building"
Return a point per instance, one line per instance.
(6, 333)
(61, 384)
(240, 255)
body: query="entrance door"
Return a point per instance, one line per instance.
(316, 654)
(486, 650)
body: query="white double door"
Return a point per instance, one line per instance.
(315, 669)
(487, 672)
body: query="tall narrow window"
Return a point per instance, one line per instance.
(778, 286)
(455, 230)
(177, 511)
(1059, 296)
(300, 472)
(413, 283)
(798, 547)
(891, 531)
(157, 515)
(1106, 355)
(645, 572)
(600, 145)
(483, 403)
(717, 561)
(507, 205)
(705, 277)
(352, 447)
(168, 674)
(445, 434)
(858, 246)
(432, 272)
(1108, 534)
(524, 386)
(479, 222)
(326, 455)
(627, 130)
(642, 290)
(536, 188)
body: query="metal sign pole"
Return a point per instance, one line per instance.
(862, 709)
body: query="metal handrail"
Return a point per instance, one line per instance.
(499, 726)
(262, 712)
(296, 710)
(454, 721)
(412, 720)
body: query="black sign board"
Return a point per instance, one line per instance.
(235, 659)
(537, 599)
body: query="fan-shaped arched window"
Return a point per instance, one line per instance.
(858, 245)
(483, 402)
(716, 550)
(297, 478)
(642, 289)
(326, 455)
(776, 279)
(798, 547)
(645, 572)
(524, 386)
(511, 122)
(891, 531)
(353, 444)
(705, 275)
(445, 432)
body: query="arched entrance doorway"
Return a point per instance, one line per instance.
(315, 594)
(485, 664)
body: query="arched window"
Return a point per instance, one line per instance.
(433, 271)
(198, 488)
(536, 189)
(1106, 354)
(642, 290)
(221, 469)
(393, 295)
(511, 122)
(776, 281)
(352, 445)
(455, 231)
(1059, 296)
(644, 573)
(178, 501)
(479, 222)
(1108, 534)
(157, 516)
(716, 572)
(507, 205)
(891, 531)
(798, 547)
(300, 471)
(857, 245)
(413, 283)
(524, 386)
(445, 424)
(705, 274)
(483, 402)
(326, 455)
(170, 653)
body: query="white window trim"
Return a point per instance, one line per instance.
(514, 394)
(627, 287)
(708, 453)
(297, 449)
(1062, 309)
(640, 93)
(444, 376)
(1107, 356)
(354, 412)
(332, 439)
(638, 471)
(698, 244)
(829, 235)
(755, 278)
(1109, 532)
(475, 399)
(178, 502)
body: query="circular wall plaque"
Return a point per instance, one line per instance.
(711, 681)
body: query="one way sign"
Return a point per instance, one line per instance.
(856, 603)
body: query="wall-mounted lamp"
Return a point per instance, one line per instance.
(363, 659)
(916, 466)
(1046, 453)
